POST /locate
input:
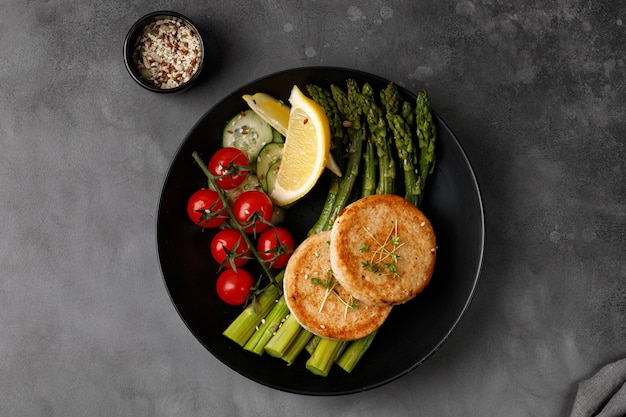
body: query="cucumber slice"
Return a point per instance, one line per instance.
(248, 132)
(270, 177)
(250, 183)
(277, 137)
(269, 155)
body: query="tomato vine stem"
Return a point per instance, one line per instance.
(234, 222)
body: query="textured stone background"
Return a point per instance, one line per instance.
(535, 90)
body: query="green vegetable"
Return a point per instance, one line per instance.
(284, 337)
(403, 139)
(348, 108)
(324, 355)
(269, 155)
(242, 328)
(354, 352)
(369, 170)
(426, 138)
(325, 99)
(301, 341)
(406, 111)
(248, 132)
(310, 347)
(327, 209)
(350, 111)
(269, 326)
(378, 131)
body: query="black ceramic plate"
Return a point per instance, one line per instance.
(412, 333)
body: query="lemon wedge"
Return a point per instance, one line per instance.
(306, 148)
(276, 113)
(270, 109)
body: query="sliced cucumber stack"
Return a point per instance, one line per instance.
(248, 132)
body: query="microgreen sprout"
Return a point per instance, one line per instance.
(351, 303)
(329, 285)
(385, 256)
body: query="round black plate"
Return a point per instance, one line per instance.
(413, 331)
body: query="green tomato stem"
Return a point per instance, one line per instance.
(234, 222)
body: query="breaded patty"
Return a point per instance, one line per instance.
(318, 302)
(383, 249)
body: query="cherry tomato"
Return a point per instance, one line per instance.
(229, 248)
(229, 166)
(233, 287)
(275, 245)
(253, 210)
(205, 208)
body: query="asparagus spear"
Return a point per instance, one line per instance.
(268, 327)
(325, 99)
(244, 325)
(284, 337)
(312, 344)
(403, 140)
(303, 338)
(369, 157)
(369, 169)
(378, 131)
(350, 112)
(354, 352)
(406, 111)
(324, 355)
(426, 137)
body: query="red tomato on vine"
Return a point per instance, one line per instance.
(253, 210)
(229, 248)
(229, 166)
(233, 287)
(205, 208)
(275, 245)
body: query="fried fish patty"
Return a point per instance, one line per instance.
(319, 303)
(383, 249)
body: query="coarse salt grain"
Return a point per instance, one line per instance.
(167, 53)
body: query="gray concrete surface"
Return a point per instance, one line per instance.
(535, 90)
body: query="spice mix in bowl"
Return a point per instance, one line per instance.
(164, 52)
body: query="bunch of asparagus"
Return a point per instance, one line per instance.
(365, 135)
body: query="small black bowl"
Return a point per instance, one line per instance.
(130, 44)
